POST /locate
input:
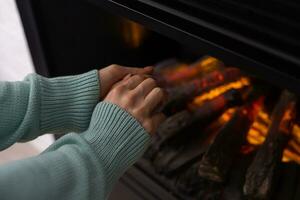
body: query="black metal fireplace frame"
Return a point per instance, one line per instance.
(189, 31)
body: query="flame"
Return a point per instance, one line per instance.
(288, 114)
(292, 152)
(227, 115)
(242, 82)
(217, 124)
(133, 33)
(259, 130)
(203, 66)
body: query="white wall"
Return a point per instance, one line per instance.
(15, 63)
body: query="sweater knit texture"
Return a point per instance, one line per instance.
(82, 165)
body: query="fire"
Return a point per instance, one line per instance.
(227, 115)
(259, 130)
(242, 82)
(217, 124)
(292, 152)
(287, 116)
(186, 72)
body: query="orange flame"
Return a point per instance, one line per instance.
(184, 72)
(259, 130)
(226, 116)
(242, 82)
(292, 152)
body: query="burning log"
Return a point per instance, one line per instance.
(178, 96)
(292, 151)
(260, 174)
(233, 189)
(196, 147)
(162, 69)
(217, 160)
(183, 119)
(182, 72)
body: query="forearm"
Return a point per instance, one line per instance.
(67, 170)
(39, 105)
(67, 103)
(77, 166)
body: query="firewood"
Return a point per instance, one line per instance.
(176, 123)
(193, 149)
(262, 171)
(201, 67)
(190, 183)
(162, 67)
(178, 96)
(233, 188)
(217, 160)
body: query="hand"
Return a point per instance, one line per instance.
(114, 73)
(141, 97)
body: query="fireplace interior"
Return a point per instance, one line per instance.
(231, 73)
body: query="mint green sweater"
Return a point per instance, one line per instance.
(82, 165)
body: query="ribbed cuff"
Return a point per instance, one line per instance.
(67, 102)
(117, 138)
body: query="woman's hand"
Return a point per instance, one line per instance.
(114, 73)
(141, 97)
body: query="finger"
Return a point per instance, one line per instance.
(154, 99)
(135, 70)
(119, 72)
(127, 77)
(145, 87)
(148, 69)
(123, 81)
(134, 81)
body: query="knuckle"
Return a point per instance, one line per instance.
(127, 103)
(151, 81)
(147, 124)
(114, 67)
(139, 77)
(137, 114)
(120, 88)
(131, 95)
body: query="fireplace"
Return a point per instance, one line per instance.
(231, 72)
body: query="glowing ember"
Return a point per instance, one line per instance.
(259, 128)
(258, 132)
(184, 73)
(227, 115)
(242, 82)
(292, 152)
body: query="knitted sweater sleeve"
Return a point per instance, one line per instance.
(79, 167)
(39, 105)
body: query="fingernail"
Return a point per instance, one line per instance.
(150, 68)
